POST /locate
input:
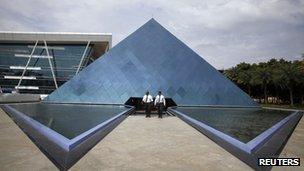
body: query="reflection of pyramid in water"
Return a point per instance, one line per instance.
(151, 59)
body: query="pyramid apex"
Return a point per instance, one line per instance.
(152, 20)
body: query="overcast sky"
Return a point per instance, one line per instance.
(222, 32)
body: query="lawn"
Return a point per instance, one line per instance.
(285, 106)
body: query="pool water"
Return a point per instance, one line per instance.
(243, 124)
(69, 120)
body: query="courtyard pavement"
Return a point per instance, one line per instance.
(138, 143)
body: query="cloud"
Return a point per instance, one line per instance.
(223, 32)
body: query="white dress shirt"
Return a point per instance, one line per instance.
(160, 99)
(147, 99)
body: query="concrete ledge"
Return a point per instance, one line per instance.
(17, 98)
(18, 152)
(267, 144)
(61, 151)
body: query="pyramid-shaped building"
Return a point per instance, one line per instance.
(151, 59)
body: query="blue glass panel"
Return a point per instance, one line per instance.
(151, 58)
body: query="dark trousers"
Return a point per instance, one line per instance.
(148, 109)
(160, 108)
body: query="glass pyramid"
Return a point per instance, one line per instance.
(151, 59)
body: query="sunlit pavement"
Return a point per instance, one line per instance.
(138, 143)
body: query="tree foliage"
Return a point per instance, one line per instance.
(280, 81)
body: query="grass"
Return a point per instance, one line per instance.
(285, 106)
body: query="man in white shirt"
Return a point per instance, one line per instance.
(160, 103)
(148, 100)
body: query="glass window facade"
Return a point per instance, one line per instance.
(38, 77)
(153, 59)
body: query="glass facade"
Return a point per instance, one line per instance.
(151, 59)
(38, 77)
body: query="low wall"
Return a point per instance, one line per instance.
(15, 98)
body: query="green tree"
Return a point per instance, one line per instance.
(232, 74)
(245, 75)
(284, 76)
(262, 76)
(276, 78)
(290, 75)
(241, 74)
(300, 78)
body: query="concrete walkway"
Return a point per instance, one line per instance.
(138, 143)
(17, 151)
(294, 148)
(141, 143)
